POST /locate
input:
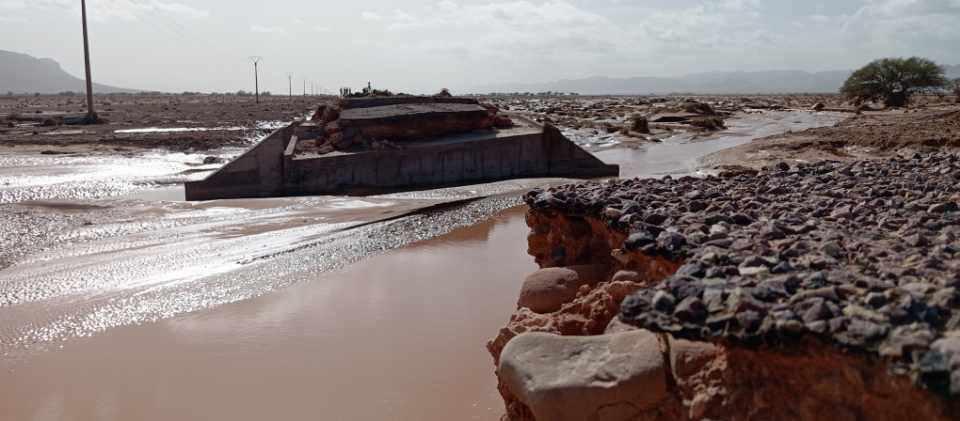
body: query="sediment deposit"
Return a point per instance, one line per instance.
(867, 135)
(825, 290)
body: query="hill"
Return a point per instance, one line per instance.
(765, 82)
(24, 74)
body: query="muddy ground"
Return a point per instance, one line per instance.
(862, 136)
(192, 122)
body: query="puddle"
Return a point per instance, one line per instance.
(260, 125)
(179, 129)
(160, 194)
(39, 177)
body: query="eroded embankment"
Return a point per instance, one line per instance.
(820, 291)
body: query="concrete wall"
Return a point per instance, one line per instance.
(534, 155)
(266, 170)
(258, 172)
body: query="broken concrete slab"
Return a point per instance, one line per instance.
(400, 122)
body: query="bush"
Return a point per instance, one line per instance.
(956, 89)
(893, 80)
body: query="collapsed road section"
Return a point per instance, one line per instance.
(383, 144)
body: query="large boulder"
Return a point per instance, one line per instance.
(546, 290)
(618, 376)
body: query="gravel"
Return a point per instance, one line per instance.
(864, 255)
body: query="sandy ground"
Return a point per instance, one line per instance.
(236, 301)
(861, 136)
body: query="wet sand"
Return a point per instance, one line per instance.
(399, 337)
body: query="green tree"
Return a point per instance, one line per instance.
(893, 80)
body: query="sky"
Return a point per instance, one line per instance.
(420, 46)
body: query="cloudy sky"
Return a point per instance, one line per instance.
(423, 45)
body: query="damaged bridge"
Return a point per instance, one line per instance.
(376, 145)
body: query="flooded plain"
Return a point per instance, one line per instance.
(330, 307)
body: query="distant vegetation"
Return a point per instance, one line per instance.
(894, 80)
(956, 89)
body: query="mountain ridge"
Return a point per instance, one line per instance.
(717, 83)
(24, 74)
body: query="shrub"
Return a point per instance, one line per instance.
(893, 80)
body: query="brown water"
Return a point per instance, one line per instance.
(398, 337)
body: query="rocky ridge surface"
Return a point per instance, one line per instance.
(862, 258)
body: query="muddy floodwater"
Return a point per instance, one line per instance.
(119, 301)
(400, 336)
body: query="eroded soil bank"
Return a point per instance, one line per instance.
(822, 290)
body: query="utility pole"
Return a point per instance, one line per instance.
(91, 114)
(256, 77)
(304, 87)
(290, 80)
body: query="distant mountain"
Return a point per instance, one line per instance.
(768, 82)
(23, 74)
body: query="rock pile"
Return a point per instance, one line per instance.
(862, 258)
(358, 124)
(866, 255)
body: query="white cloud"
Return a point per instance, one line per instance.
(102, 10)
(263, 29)
(887, 26)
(12, 5)
(374, 16)
(177, 9)
(502, 28)
(819, 18)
